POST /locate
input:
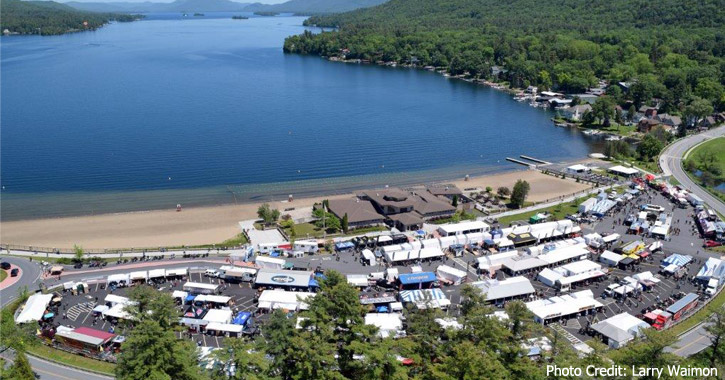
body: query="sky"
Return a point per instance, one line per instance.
(168, 1)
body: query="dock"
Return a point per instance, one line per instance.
(538, 161)
(515, 161)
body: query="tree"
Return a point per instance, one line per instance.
(697, 109)
(249, 361)
(649, 147)
(503, 191)
(489, 189)
(78, 253)
(267, 214)
(455, 201)
(344, 223)
(520, 192)
(588, 118)
(20, 370)
(603, 109)
(631, 113)
(648, 352)
(278, 331)
(152, 352)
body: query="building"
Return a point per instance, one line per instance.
(408, 210)
(575, 113)
(448, 190)
(360, 213)
(85, 338)
(622, 171)
(670, 120)
(620, 329)
(564, 307)
(578, 169)
(646, 125)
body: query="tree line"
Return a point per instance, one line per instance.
(49, 18)
(670, 50)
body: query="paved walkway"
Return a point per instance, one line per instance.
(9, 280)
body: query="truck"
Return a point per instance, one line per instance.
(676, 311)
(712, 286)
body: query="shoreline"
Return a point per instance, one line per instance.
(214, 224)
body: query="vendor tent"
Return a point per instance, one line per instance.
(34, 308)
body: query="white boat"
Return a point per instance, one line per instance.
(614, 138)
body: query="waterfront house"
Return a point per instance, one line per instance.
(408, 210)
(360, 213)
(708, 122)
(648, 112)
(575, 113)
(646, 125)
(448, 191)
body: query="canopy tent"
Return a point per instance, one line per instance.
(242, 318)
(494, 262)
(611, 238)
(456, 276)
(513, 287)
(177, 272)
(431, 243)
(280, 299)
(269, 262)
(425, 298)
(610, 258)
(34, 308)
(100, 309)
(368, 255)
(139, 275)
(212, 299)
(218, 316)
(224, 327)
(709, 269)
(156, 273)
(200, 288)
(345, 245)
(117, 311)
(431, 252)
(115, 300)
(677, 259)
(359, 280)
(121, 278)
(387, 324)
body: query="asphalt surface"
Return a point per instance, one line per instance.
(697, 339)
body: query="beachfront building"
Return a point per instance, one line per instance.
(449, 191)
(408, 210)
(360, 213)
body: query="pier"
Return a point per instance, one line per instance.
(538, 161)
(515, 161)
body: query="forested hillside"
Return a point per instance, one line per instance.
(48, 17)
(670, 49)
(315, 6)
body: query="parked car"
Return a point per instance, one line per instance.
(712, 243)
(14, 272)
(5, 265)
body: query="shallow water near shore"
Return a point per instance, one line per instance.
(205, 111)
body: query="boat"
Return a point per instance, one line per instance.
(614, 138)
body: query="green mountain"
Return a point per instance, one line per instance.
(48, 17)
(176, 6)
(314, 6)
(669, 49)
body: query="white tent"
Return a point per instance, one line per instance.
(610, 258)
(156, 273)
(218, 316)
(359, 280)
(456, 276)
(280, 299)
(179, 294)
(368, 255)
(224, 327)
(139, 275)
(118, 311)
(34, 308)
(549, 277)
(177, 272)
(428, 253)
(387, 324)
(447, 241)
(116, 300)
(269, 262)
(431, 243)
(121, 278)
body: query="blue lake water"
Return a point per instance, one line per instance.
(209, 110)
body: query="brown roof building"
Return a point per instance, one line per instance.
(408, 210)
(360, 213)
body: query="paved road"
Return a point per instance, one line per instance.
(696, 339)
(29, 276)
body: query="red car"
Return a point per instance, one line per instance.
(712, 243)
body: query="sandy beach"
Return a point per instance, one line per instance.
(207, 225)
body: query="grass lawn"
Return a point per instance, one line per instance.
(622, 130)
(52, 354)
(715, 150)
(558, 212)
(3, 275)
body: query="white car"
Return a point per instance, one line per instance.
(211, 273)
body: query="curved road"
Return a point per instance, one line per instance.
(698, 338)
(30, 277)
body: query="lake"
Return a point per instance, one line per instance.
(203, 111)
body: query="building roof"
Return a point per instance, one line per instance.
(390, 197)
(622, 170)
(407, 218)
(427, 203)
(283, 278)
(357, 210)
(447, 189)
(463, 226)
(621, 327)
(34, 308)
(84, 337)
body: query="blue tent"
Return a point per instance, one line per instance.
(190, 298)
(416, 278)
(382, 309)
(274, 254)
(242, 318)
(344, 245)
(314, 283)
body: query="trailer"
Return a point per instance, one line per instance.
(676, 311)
(307, 246)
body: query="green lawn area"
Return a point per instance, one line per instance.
(67, 358)
(712, 154)
(3, 275)
(558, 212)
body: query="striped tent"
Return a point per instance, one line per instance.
(425, 297)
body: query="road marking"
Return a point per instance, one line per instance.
(693, 342)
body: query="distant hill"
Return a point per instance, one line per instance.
(293, 6)
(176, 6)
(314, 6)
(48, 17)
